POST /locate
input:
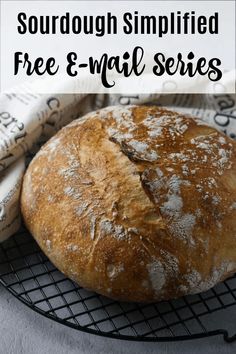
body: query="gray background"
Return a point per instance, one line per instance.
(24, 331)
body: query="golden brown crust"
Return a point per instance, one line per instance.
(136, 203)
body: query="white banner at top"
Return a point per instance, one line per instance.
(137, 47)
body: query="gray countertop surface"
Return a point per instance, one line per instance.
(24, 331)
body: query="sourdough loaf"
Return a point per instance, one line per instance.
(136, 203)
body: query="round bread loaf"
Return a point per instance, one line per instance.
(136, 203)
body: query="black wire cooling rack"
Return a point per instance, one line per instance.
(28, 274)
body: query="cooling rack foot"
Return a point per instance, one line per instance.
(227, 338)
